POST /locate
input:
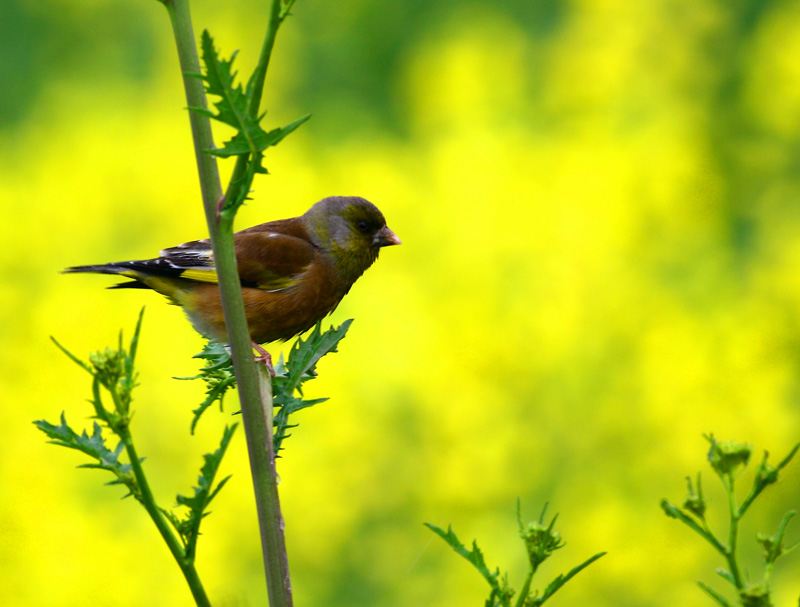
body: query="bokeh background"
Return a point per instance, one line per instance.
(600, 208)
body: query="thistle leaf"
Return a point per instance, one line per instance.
(562, 579)
(204, 492)
(217, 374)
(93, 445)
(232, 108)
(474, 556)
(298, 369)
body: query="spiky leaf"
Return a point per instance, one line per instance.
(474, 556)
(205, 491)
(93, 445)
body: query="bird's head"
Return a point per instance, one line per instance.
(351, 230)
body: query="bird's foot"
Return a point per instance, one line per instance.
(264, 358)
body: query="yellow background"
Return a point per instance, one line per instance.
(600, 207)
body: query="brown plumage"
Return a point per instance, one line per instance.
(293, 271)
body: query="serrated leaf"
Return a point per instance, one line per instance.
(474, 556)
(250, 140)
(288, 405)
(275, 136)
(557, 583)
(289, 376)
(219, 79)
(216, 355)
(215, 392)
(306, 353)
(204, 492)
(93, 445)
(217, 374)
(299, 368)
(131, 357)
(232, 109)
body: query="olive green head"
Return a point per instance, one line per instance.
(350, 230)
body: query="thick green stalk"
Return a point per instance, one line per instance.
(148, 501)
(255, 398)
(210, 186)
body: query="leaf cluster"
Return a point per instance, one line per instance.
(93, 445)
(188, 526)
(540, 540)
(287, 384)
(234, 107)
(728, 460)
(217, 374)
(300, 367)
(113, 374)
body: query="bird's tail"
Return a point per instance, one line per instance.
(123, 268)
(106, 268)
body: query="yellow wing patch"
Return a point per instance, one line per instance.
(209, 275)
(269, 281)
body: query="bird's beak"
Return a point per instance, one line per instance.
(385, 237)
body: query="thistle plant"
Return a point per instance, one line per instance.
(238, 107)
(541, 541)
(114, 378)
(729, 459)
(287, 383)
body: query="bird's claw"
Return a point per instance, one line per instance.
(264, 358)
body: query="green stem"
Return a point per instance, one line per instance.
(210, 185)
(749, 500)
(254, 401)
(526, 588)
(148, 501)
(274, 21)
(712, 539)
(730, 553)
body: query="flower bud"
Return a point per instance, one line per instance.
(728, 456)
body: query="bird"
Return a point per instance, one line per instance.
(293, 272)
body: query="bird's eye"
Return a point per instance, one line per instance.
(362, 226)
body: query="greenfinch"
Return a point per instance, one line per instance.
(293, 272)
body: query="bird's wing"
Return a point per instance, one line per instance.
(268, 257)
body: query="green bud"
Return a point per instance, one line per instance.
(766, 474)
(505, 593)
(755, 595)
(694, 502)
(108, 363)
(540, 541)
(773, 544)
(728, 456)
(773, 547)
